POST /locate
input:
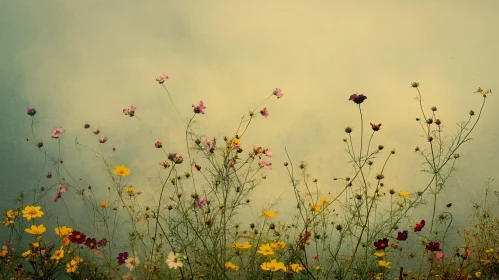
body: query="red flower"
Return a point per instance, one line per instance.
(433, 246)
(381, 244)
(197, 167)
(375, 127)
(419, 226)
(91, 243)
(122, 258)
(102, 242)
(77, 237)
(402, 235)
(357, 98)
(158, 144)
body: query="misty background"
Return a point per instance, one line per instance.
(85, 61)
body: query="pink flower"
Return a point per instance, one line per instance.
(469, 252)
(31, 111)
(210, 146)
(96, 131)
(201, 202)
(268, 152)
(277, 92)
(199, 109)
(315, 258)
(103, 139)
(158, 144)
(161, 79)
(62, 189)
(130, 112)
(264, 112)
(439, 255)
(57, 132)
(231, 163)
(264, 164)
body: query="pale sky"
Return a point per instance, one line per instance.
(84, 61)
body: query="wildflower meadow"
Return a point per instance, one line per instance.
(194, 227)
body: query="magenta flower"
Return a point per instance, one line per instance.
(264, 164)
(96, 131)
(277, 92)
(122, 257)
(201, 202)
(268, 152)
(57, 132)
(381, 244)
(375, 127)
(210, 146)
(31, 111)
(439, 256)
(433, 246)
(161, 79)
(402, 235)
(103, 139)
(130, 112)
(357, 98)
(199, 109)
(264, 112)
(197, 167)
(419, 226)
(158, 144)
(49, 175)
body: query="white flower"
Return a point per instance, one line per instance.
(173, 260)
(131, 263)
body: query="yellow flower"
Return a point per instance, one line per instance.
(236, 141)
(488, 251)
(63, 231)
(231, 267)
(317, 267)
(244, 245)
(31, 212)
(404, 194)
(278, 245)
(266, 250)
(7, 222)
(296, 267)
(4, 253)
(316, 208)
(37, 230)
(269, 214)
(26, 254)
(36, 244)
(59, 254)
(380, 254)
(121, 171)
(324, 201)
(104, 204)
(71, 266)
(273, 265)
(129, 191)
(400, 204)
(478, 274)
(12, 214)
(379, 276)
(384, 264)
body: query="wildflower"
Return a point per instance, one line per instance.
(478, 274)
(91, 243)
(63, 231)
(380, 176)
(380, 254)
(173, 260)
(26, 254)
(433, 246)
(36, 230)
(357, 98)
(381, 244)
(315, 258)
(130, 112)
(198, 168)
(277, 92)
(296, 268)
(6, 222)
(468, 251)
(65, 241)
(96, 131)
(131, 263)
(324, 201)
(4, 253)
(77, 237)
(264, 164)
(278, 245)
(404, 194)
(210, 145)
(104, 204)
(384, 263)
(122, 257)
(273, 265)
(402, 235)
(200, 108)
(103, 139)
(59, 254)
(488, 251)
(161, 79)
(264, 112)
(244, 245)
(268, 214)
(175, 159)
(129, 276)
(158, 144)
(231, 267)
(316, 208)
(266, 250)
(62, 189)
(31, 212)
(71, 266)
(268, 152)
(419, 226)
(57, 132)
(121, 171)
(375, 127)
(102, 242)
(439, 256)
(49, 175)
(31, 111)
(129, 191)
(201, 202)
(165, 164)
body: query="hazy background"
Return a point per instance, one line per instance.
(84, 61)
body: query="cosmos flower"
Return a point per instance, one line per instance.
(273, 265)
(402, 235)
(36, 230)
(31, 111)
(131, 263)
(121, 171)
(231, 267)
(122, 257)
(57, 132)
(245, 245)
(264, 112)
(357, 98)
(381, 244)
(77, 237)
(277, 92)
(269, 214)
(31, 212)
(266, 250)
(130, 112)
(173, 260)
(200, 108)
(161, 79)
(419, 226)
